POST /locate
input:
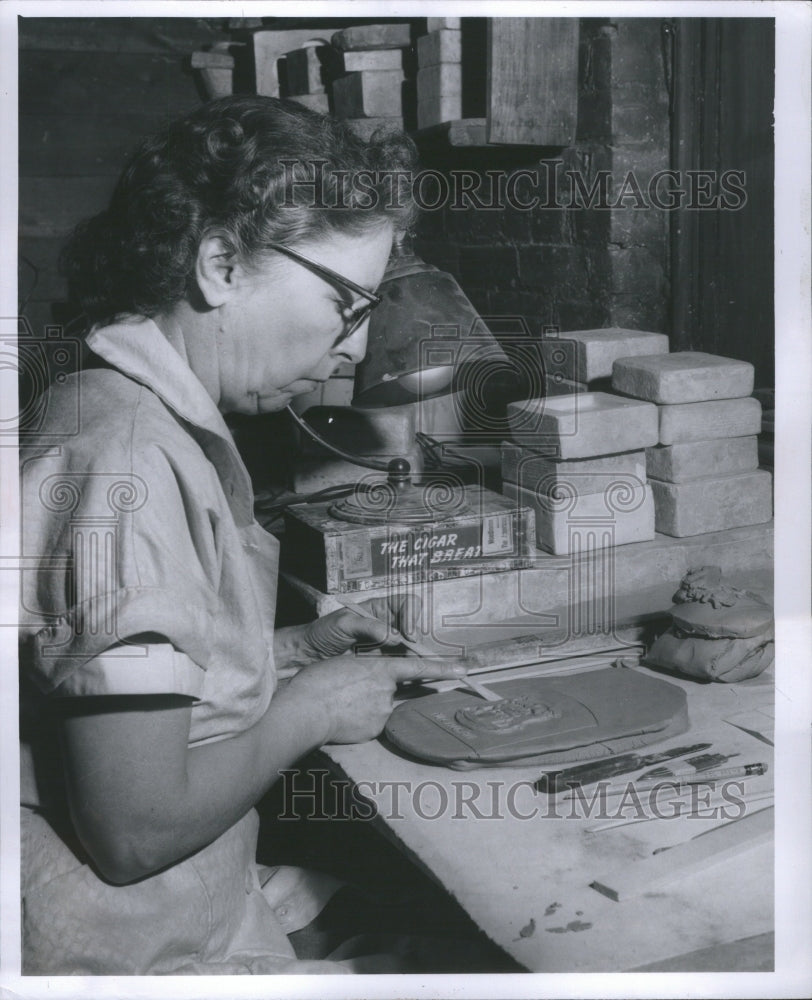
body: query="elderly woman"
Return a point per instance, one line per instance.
(216, 282)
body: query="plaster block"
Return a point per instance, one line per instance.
(584, 425)
(680, 463)
(588, 521)
(369, 37)
(303, 68)
(712, 504)
(715, 418)
(580, 475)
(442, 79)
(355, 62)
(597, 350)
(436, 23)
(435, 112)
(316, 102)
(683, 377)
(442, 46)
(439, 94)
(370, 94)
(556, 385)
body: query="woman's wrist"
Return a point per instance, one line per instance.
(314, 720)
(291, 647)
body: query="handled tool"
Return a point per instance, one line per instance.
(593, 771)
(685, 779)
(422, 650)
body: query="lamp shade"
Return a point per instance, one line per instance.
(425, 338)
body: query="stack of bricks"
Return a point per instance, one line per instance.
(305, 77)
(370, 93)
(579, 457)
(581, 360)
(439, 74)
(704, 471)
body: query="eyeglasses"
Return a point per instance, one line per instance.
(353, 317)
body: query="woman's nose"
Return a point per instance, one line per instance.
(355, 346)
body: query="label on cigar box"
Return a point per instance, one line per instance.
(488, 533)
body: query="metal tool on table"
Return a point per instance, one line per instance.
(696, 766)
(579, 775)
(684, 779)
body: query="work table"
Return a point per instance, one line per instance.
(526, 881)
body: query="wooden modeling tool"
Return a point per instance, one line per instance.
(422, 650)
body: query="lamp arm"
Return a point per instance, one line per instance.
(367, 463)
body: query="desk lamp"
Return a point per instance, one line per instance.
(425, 340)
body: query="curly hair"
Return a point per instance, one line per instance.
(253, 170)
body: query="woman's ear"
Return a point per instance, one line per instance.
(215, 271)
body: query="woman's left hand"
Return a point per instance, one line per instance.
(342, 630)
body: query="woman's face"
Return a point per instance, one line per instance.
(280, 333)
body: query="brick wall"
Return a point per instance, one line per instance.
(570, 266)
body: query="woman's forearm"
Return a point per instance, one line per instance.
(141, 799)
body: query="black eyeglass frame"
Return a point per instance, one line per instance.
(333, 277)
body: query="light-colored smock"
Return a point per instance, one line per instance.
(138, 522)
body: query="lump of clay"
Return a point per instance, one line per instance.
(718, 632)
(706, 606)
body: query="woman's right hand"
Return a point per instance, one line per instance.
(356, 693)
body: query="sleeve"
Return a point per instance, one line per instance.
(119, 542)
(151, 668)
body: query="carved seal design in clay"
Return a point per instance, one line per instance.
(505, 716)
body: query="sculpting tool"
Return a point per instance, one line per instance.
(683, 779)
(694, 777)
(593, 771)
(423, 650)
(701, 763)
